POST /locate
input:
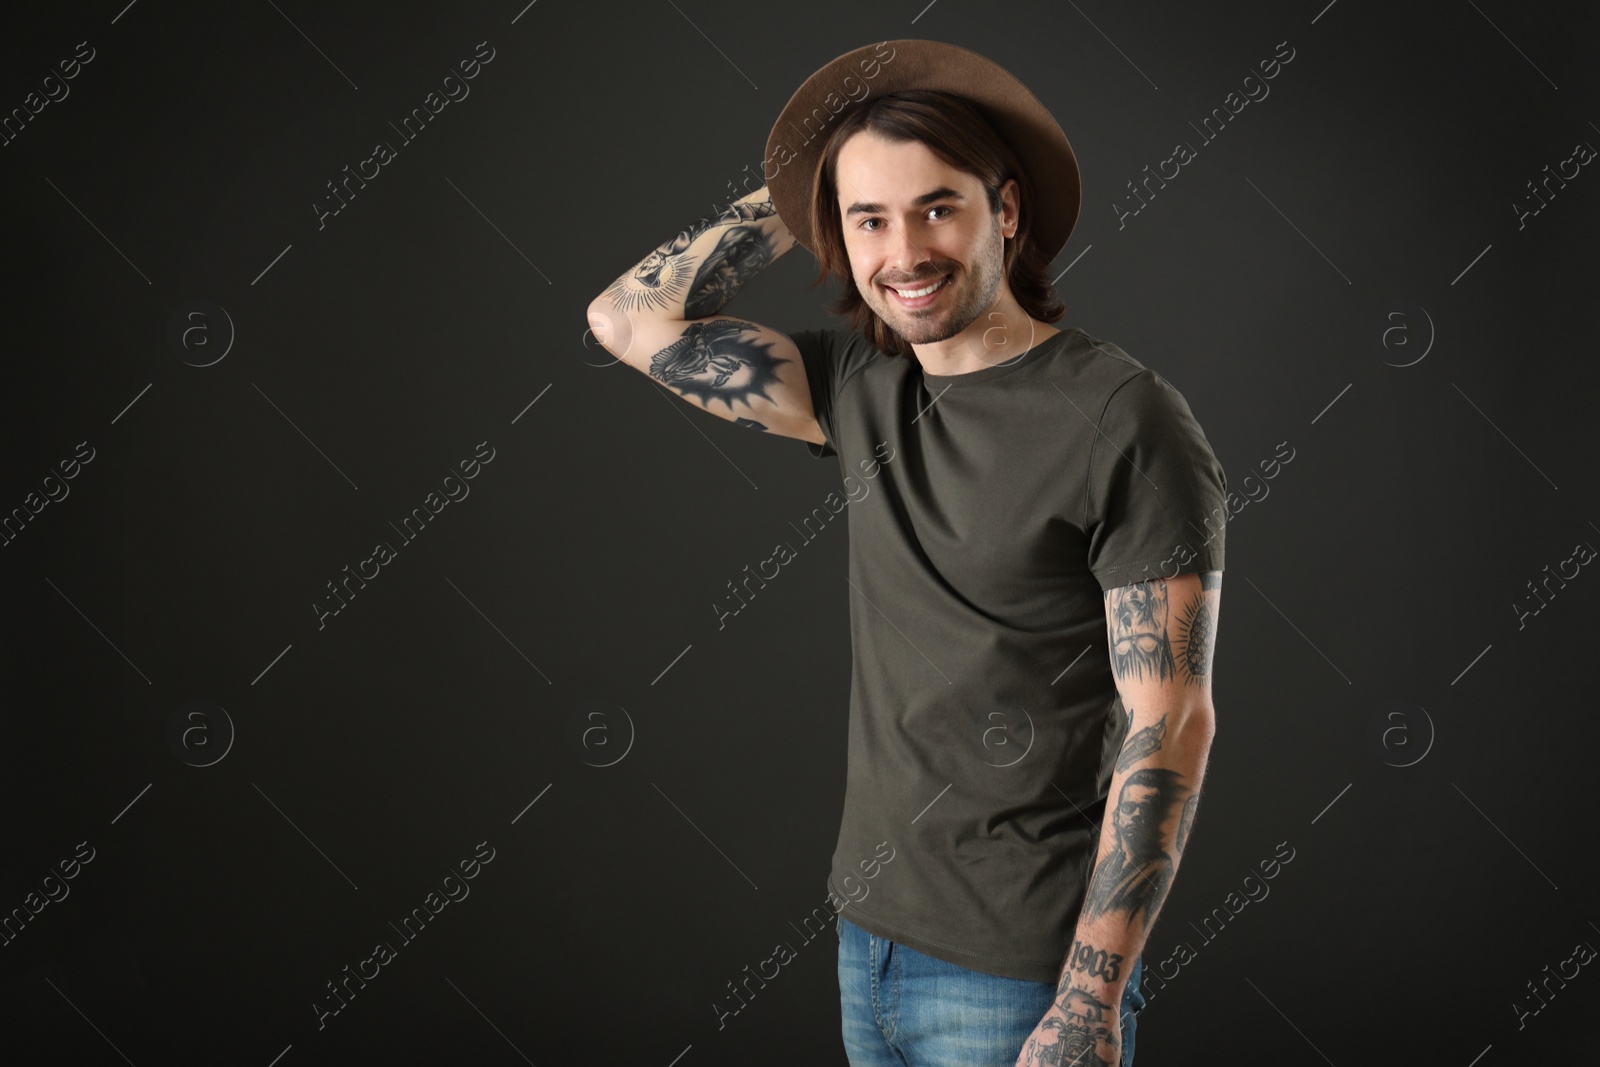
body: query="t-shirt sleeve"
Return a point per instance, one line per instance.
(820, 351)
(1156, 504)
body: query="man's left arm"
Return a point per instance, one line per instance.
(1161, 635)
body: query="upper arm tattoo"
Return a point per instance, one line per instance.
(1138, 620)
(718, 360)
(1142, 643)
(1197, 637)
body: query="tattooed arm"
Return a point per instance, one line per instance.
(661, 318)
(1161, 635)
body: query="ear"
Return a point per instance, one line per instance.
(1010, 208)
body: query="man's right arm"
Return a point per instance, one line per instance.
(663, 318)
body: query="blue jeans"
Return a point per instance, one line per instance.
(903, 1008)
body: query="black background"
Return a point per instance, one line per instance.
(573, 587)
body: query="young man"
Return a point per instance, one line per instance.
(1034, 587)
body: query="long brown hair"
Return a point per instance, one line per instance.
(954, 130)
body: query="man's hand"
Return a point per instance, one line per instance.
(1083, 1028)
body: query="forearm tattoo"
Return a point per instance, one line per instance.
(1097, 963)
(659, 280)
(741, 253)
(720, 359)
(1186, 822)
(1134, 877)
(1146, 742)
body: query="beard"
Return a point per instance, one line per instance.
(971, 294)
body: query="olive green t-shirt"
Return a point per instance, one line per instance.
(984, 720)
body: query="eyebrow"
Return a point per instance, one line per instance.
(944, 192)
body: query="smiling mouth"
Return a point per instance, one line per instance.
(919, 295)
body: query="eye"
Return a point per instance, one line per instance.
(948, 210)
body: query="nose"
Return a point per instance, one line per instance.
(908, 256)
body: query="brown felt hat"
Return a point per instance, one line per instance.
(795, 145)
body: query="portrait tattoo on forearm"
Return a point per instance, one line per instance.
(1139, 646)
(721, 359)
(1135, 875)
(659, 280)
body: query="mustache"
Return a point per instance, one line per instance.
(907, 282)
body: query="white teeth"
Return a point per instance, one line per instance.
(912, 294)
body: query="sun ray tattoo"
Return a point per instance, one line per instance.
(714, 360)
(657, 283)
(1197, 635)
(1139, 646)
(659, 280)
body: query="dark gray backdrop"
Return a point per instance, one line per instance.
(1343, 271)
